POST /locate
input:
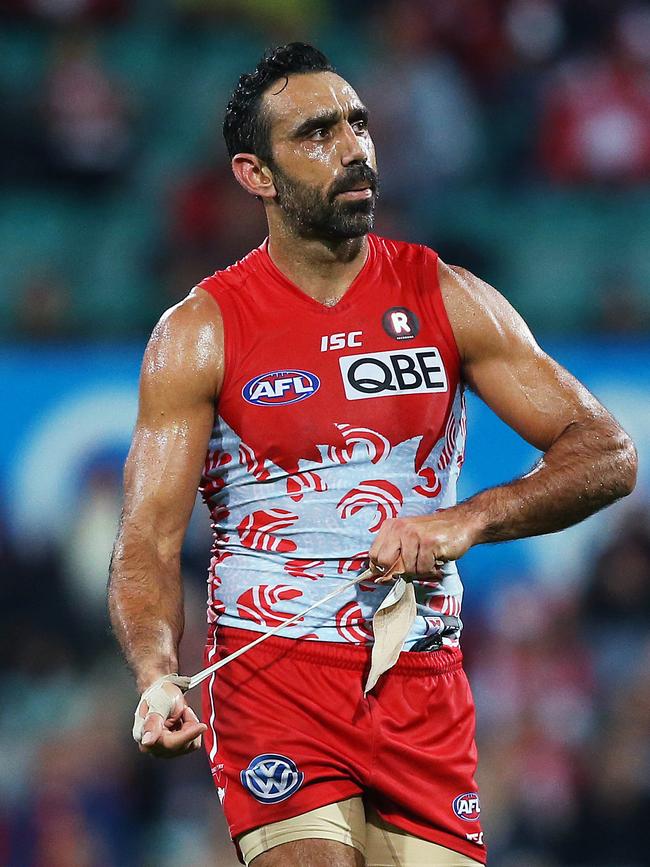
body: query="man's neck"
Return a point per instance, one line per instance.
(322, 269)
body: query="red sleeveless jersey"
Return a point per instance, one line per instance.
(331, 419)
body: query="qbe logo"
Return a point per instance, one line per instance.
(280, 387)
(467, 807)
(382, 374)
(271, 778)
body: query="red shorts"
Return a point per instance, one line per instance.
(289, 731)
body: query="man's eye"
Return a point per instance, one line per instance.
(319, 133)
(360, 126)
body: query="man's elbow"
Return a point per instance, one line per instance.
(626, 466)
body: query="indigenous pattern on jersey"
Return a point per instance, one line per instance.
(331, 420)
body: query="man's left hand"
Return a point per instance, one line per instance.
(424, 543)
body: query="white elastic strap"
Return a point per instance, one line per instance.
(395, 616)
(201, 675)
(158, 701)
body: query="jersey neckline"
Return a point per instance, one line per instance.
(346, 299)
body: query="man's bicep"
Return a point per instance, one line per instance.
(532, 394)
(178, 386)
(162, 473)
(504, 365)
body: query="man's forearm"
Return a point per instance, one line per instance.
(586, 468)
(145, 599)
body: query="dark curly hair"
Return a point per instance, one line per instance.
(246, 129)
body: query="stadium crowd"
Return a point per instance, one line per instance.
(524, 118)
(528, 129)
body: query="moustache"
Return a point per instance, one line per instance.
(352, 178)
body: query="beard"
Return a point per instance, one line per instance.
(314, 214)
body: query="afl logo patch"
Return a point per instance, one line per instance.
(467, 807)
(280, 387)
(400, 323)
(271, 778)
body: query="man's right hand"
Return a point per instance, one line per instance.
(178, 733)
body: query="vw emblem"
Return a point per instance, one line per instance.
(271, 778)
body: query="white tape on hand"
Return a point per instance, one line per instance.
(158, 700)
(391, 625)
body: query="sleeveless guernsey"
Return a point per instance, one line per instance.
(331, 419)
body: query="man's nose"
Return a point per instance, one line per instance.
(352, 147)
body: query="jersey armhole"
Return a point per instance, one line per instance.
(211, 286)
(431, 288)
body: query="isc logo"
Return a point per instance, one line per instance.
(341, 340)
(280, 387)
(382, 374)
(467, 807)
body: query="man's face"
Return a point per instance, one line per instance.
(324, 167)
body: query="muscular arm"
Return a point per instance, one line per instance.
(588, 462)
(180, 379)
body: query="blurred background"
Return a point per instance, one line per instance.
(514, 137)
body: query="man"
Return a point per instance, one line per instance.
(324, 375)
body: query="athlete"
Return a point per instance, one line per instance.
(314, 391)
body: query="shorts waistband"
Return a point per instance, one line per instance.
(338, 655)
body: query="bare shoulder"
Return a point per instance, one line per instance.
(483, 321)
(505, 366)
(186, 347)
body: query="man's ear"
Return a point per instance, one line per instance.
(253, 175)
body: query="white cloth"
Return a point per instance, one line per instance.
(391, 625)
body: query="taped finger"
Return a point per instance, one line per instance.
(160, 698)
